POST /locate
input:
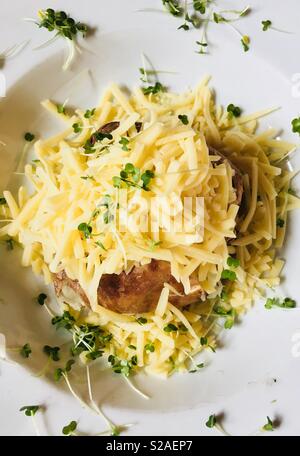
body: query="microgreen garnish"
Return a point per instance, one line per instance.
(188, 19)
(245, 43)
(52, 352)
(150, 348)
(85, 337)
(3, 201)
(65, 27)
(218, 18)
(70, 428)
(224, 295)
(30, 410)
(269, 426)
(200, 6)
(155, 89)
(96, 137)
(124, 143)
(170, 328)
(85, 229)
(286, 303)
(184, 119)
(211, 422)
(266, 25)
(173, 7)
(61, 109)
(122, 366)
(89, 338)
(61, 22)
(228, 275)
(229, 315)
(9, 242)
(25, 351)
(99, 244)
(62, 372)
(77, 127)
(131, 176)
(196, 368)
(141, 320)
(29, 137)
(204, 343)
(202, 47)
(233, 262)
(41, 299)
(132, 347)
(89, 113)
(66, 321)
(296, 125)
(197, 13)
(280, 222)
(233, 111)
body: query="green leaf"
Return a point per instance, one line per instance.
(184, 27)
(146, 178)
(41, 299)
(29, 137)
(65, 321)
(269, 426)
(89, 113)
(150, 348)
(61, 109)
(211, 422)
(94, 354)
(117, 181)
(234, 111)
(287, 303)
(2, 201)
(30, 410)
(141, 320)
(199, 6)
(245, 43)
(296, 125)
(228, 275)
(184, 119)
(170, 328)
(77, 127)
(280, 223)
(158, 87)
(70, 428)
(266, 25)
(85, 229)
(26, 351)
(203, 341)
(124, 143)
(52, 352)
(233, 262)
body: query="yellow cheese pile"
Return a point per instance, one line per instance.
(69, 183)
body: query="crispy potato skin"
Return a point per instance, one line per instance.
(133, 293)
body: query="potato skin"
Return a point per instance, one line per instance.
(132, 293)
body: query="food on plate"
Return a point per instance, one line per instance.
(150, 284)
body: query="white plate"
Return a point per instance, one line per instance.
(238, 379)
